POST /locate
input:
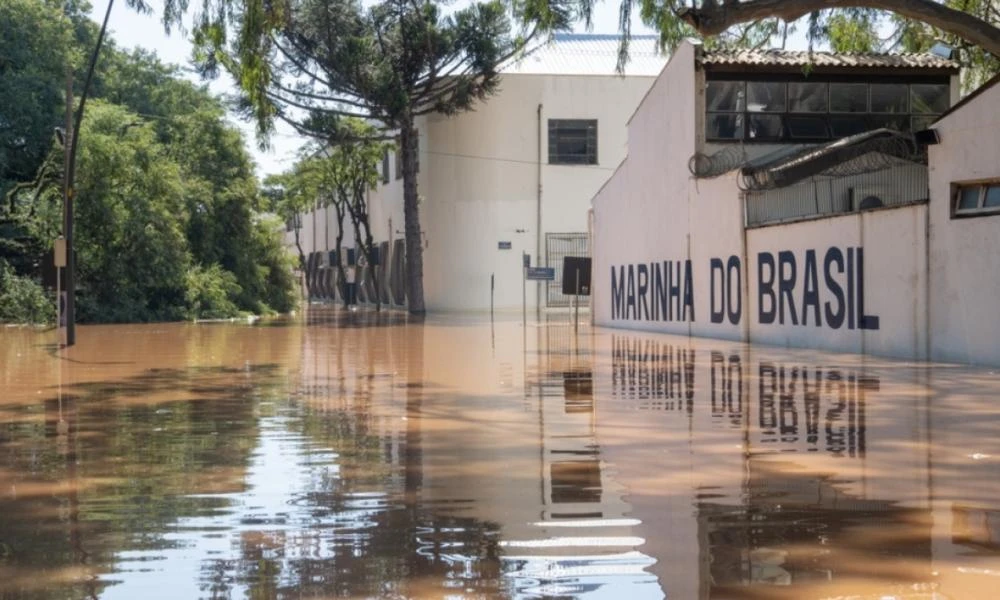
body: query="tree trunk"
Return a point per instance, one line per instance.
(359, 218)
(341, 276)
(411, 216)
(713, 18)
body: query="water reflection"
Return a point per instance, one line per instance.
(360, 455)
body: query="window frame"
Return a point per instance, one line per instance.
(867, 120)
(591, 157)
(983, 186)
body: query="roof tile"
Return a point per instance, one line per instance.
(792, 58)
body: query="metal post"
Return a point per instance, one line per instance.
(492, 287)
(524, 293)
(576, 303)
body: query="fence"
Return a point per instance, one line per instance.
(897, 185)
(557, 247)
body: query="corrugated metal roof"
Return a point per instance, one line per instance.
(589, 54)
(793, 58)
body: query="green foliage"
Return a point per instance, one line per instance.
(36, 49)
(863, 26)
(209, 292)
(22, 300)
(166, 194)
(132, 251)
(314, 63)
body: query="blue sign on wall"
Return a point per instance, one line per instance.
(540, 274)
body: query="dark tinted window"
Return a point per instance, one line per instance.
(765, 96)
(765, 127)
(929, 98)
(807, 97)
(845, 126)
(805, 127)
(890, 98)
(724, 96)
(724, 127)
(573, 141)
(992, 199)
(848, 97)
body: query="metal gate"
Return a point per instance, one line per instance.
(558, 246)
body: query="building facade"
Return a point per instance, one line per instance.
(513, 176)
(821, 201)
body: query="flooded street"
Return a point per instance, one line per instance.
(333, 456)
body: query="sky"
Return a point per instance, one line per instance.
(131, 29)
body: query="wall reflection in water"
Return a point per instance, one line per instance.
(799, 479)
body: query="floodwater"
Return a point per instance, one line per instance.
(348, 455)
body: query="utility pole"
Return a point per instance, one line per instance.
(69, 192)
(67, 313)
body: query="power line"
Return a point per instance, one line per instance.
(508, 160)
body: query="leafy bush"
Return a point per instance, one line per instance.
(23, 300)
(209, 293)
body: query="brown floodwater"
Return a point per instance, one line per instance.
(352, 455)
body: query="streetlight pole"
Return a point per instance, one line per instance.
(68, 191)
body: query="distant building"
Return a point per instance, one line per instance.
(814, 200)
(513, 176)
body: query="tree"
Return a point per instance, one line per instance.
(313, 62)
(36, 49)
(848, 25)
(353, 170)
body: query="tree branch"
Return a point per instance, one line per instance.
(712, 18)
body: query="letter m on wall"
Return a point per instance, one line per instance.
(617, 293)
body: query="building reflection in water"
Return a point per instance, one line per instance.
(369, 456)
(800, 479)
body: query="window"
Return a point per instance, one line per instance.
(385, 166)
(848, 97)
(929, 98)
(807, 97)
(890, 98)
(977, 198)
(573, 141)
(817, 111)
(399, 161)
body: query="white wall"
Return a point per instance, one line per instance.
(641, 214)
(483, 177)
(894, 248)
(965, 279)
(479, 181)
(653, 210)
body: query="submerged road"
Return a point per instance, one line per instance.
(353, 455)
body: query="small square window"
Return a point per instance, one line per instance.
(808, 97)
(724, 126)
(929, 98)
(849, 97)
(890, 98)
(968, 198)
(765, 96)
(724, 96)
(572, 141)
(765, 127)
(992, 198)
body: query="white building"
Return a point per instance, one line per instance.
(513, 176)
(770, 197)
